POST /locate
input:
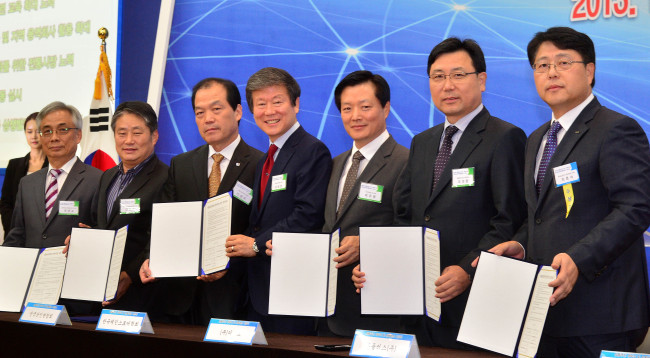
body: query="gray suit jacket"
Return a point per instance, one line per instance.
(603, 233)
(383, 169)
(30, 229)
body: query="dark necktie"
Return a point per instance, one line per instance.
(266, 171)
(549, 149)
(443, 154)
(350, 178)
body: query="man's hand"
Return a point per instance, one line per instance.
(145, 273)
(240, 245)
(508, 248)
(122, 286)
(269, 248)
(67, 240)
(566, 278)
(358, 278)
(348, 251)
(451, 283)
(212, 277)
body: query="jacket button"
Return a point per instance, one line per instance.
(256, 228)
(538, 221)
(427, 218)
(44, 236)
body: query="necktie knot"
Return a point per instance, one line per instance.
(55, 172)
(450, 131)
(555, 128)
(272, 149)
(217, 158)
(358, 156)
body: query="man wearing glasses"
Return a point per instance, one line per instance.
(588, 225)
(464, 178)
(55, 199)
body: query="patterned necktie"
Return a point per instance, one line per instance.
(350, 178)
(266, 171)
(51, 192)
(214, 180)
(549, 149)
(443, 154)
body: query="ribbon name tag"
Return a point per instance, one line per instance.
(384, 344)
(124, 321)
(45, 314)
(566, 174)
(238, 332)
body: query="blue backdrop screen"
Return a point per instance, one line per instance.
(319, 42)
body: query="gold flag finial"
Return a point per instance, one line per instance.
(103, 67)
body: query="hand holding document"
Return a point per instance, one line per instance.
(188, 238)
(303, 274)
(500, 299)
(94, 264)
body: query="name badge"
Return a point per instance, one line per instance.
(45, 314)
(462, 177)
(243, 193)
(279, 182)
(238, 332)
(566, 174)
(370, 192)
(130, 206)
(383, 344)
(124, 322)
(68, 207)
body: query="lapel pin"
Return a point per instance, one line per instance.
(237, 164)
(577, 132)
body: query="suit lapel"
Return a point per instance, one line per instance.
(569, 141)
(200, 170)
(283, 159)
(468, 141)
(39, 195)
(333, 189)
(238, 162)
(103, 195)
(138, 182)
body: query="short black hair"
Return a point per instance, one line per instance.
(31, 117)
(232, 92)
(140, 109)
(454, 44)
(564, 38)
(382, 90)
(271, 76)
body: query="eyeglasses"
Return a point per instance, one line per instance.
(456, 76)
(61, 132)
(561, 64)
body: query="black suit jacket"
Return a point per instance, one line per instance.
(469, 219)
(383, 169)
(308, 164)
(603, 233)
(188, 181)
(144, 186)
(16, 169)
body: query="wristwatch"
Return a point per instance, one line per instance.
(255, 247)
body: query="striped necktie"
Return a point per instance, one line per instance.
(51, 192)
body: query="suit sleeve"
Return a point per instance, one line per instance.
(624, 167)
(402, 195)
(168, 193)
(507, 187)
(312, 178)
(16, 236)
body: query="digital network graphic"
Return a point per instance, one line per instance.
(319, 42)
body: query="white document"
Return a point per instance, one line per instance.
(537, 311)
(497, 303)
(299, 273)
(89, 262)
(16, 267)
(48, 277)
(333, 273)
(391, 258)
(116, 264)
(175, 239)
(431, 273)
(217, 215)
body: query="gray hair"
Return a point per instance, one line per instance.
(271, 76)
(60, 106)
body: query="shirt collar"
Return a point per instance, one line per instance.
(371, 148)
(569, 117)
(67, 166)
(228, 151)
(137, 168)
(283, 138)
(462, 123)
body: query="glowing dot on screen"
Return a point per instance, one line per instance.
(460, 7)
(352, 51)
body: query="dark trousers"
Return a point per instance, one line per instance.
(590, 346)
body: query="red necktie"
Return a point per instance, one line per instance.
(266, 171)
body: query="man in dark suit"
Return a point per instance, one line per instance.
(468, 218)
(225, 162)
(594, 234)
(128, 191)
(53, 200)
(363, 98)
(289, 190)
